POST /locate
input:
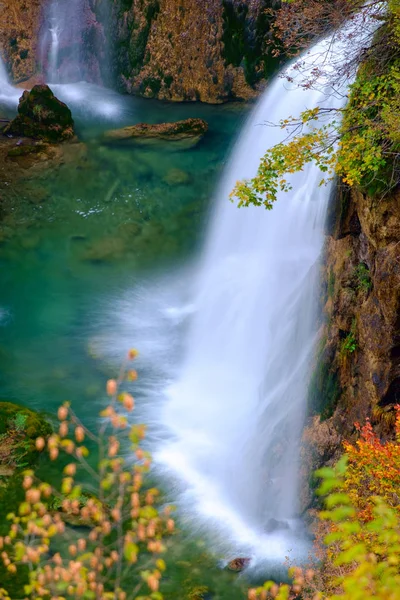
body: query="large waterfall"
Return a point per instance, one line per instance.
(235, 413)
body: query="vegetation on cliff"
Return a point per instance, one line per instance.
(210, 51)
(360, 145)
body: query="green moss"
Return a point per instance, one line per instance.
(151, 82)
(331, 283)
(25, 150)
(198, 593)
(324, 389)
(125, 5)
(348, 345)
(168, 80)
(20, 441)
(140, 36)
(363, 278)
(234, 32)
(244, 40)
(36, 425)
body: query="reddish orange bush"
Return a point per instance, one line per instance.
(373, 470)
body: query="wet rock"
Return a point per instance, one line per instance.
(275, 525)
(238, 564)
(191, 130)
(42, 116)
(105, 250)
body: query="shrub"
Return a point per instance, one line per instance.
(361, 143)
(118, 553)
(360, 527)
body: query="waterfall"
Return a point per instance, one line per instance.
(9, 95)
(234, 415)
(74, 59)
(62, 41)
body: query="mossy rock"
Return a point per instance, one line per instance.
(36, 424)
(198, 593)
(324, 389)
(25, 150)
(42, 116)
(19, 428)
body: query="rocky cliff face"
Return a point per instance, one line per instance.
(180, 50)
(208, 50)
(357, 370)
(19, 28)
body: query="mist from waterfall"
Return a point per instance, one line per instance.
(235, 413)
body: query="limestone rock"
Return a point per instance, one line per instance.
(19, 36)
(42, 116)
(361, 297)
(191, 130)
(181, 50)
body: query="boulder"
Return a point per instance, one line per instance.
(238, 564)
(42, 116)
(189, 130)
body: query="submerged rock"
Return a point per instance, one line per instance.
(42, 116)
(191, 130)
(176, 177)
(275, 525)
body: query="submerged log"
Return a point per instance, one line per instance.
(191, 130)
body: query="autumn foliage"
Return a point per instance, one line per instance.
(359, 530)
(373, 470)
(116, 552)
(358, 143)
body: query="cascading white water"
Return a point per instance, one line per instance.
(235, 414)
(67, 61)
(8, 94)
(62, 41)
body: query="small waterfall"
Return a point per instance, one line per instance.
(62, 41)
(9, 95)
(74, 57)
(235, 414)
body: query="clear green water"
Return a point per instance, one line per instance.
(82, 238)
